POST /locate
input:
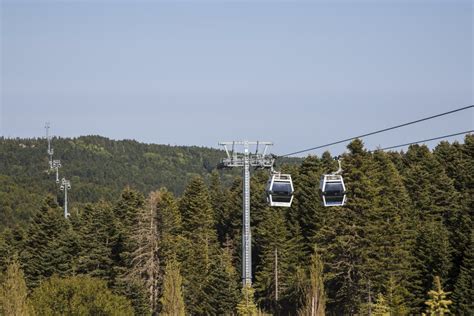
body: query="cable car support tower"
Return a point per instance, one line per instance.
(50, 150)
(245, 160)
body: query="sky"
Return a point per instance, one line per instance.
(297, 73)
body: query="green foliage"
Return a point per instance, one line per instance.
(380, 308)
(170, 225)
(157, 240)
(396, 297)
(13, 292)
(246, 306)
(144, 262)
(458, 161)
(223, 288)
(99, 168)
(464, 288)
(342, 241)
(127, 208)
(41, 257)
(313, 288)
(275, 248)
(408, 219)
(431, 190)
(200, 252)
(16, 202)
(438, 302)
(11, 242)
(433, 253)
(172, 300)
(78, 295)
(219, 197)
(135, 292)
(388, 232)
(126, 213)
(307, 215)
(97, 238)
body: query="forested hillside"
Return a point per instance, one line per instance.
(157, 231)
(98, 167)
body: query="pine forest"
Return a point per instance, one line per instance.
(157, 230)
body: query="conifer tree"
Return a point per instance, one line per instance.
(396, 297)
(274, 270)
(258, 198)
(144, 259)
(65, 251)
(315, 295)
(13, 292)
(306, 215)
(381, 308)
(438, 211)
(126, 215)
(126, 211)
(293, 218)
(128, 206)
(170, 226)
(78, 295)
(233, 222)
(11, 242)
(40, 256)
(157, 239)
(464, 288)
(388, 231)
(340, 239)
(201, 248)
(438, 304)
(458, 162)
(223, 288)
(219, 196)
(453, 160)
(172, 300)
(97, 240)
(431, 190)
(433, 253)
(246, 306)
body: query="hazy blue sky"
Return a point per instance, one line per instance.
(193, 73)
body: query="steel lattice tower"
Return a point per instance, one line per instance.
(246, 160)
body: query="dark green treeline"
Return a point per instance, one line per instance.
(99, 168)
(408, 219)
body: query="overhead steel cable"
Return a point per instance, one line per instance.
(423, 141)
(379, 131)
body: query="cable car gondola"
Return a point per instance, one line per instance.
(333, 190)
(280, 190)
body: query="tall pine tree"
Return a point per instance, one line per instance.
(463, 295)
(97, 240)
(13, 292)
(201, 250)
(274, 270)
(40, 257)
(341, 240)
(313, 287)
(172, 300)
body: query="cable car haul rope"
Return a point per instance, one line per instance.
(280, 190)
(380, 131)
